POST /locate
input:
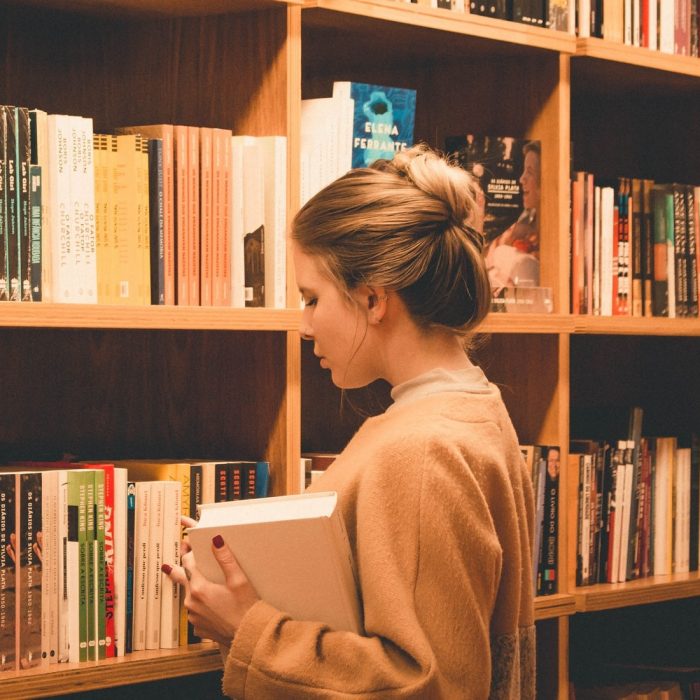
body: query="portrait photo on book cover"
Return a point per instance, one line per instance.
(508, 172)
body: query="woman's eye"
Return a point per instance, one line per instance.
(309, 302)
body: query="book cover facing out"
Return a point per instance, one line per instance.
(383, 120)
(508, 173)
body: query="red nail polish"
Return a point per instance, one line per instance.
(166, 569)
(218, 541)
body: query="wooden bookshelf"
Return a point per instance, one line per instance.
(653, 589)
(137, 667)
(118, 381)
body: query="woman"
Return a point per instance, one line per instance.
(434, 492)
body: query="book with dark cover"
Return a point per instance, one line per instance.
(508, 173)
(35, 218)
(254, 256)
(680, 248)
(550, 534)
(659, 197)
(383, 120)
(25, 231)
(12, 209)
(637, 241)
(130, 551)
(4, 285)
(8, 571)
(647, 247)
(156, 212)
(29, 562)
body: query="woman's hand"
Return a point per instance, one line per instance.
(215, 610)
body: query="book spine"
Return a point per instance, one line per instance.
(91, 568)
(13, 203)
(550, 533)
(691, 251)
(141, 567)
(236, 481)
(153, 563)
(49, 567)
(170, 593)
(29, 564)
(193, 209)
(221, 476)
(24, 223)
(262, 478)
(130, 567)
(8, 546)
(250, 474)
(180, 170)
(4, 284)
(36, 224)
(157, 220)
(206, 216)
(104, 596)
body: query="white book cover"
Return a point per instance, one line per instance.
(653, 24)
(681, 535)
(170, 591)
(320, 144)
(584, 18)
(253, 220)
(82, 190)
(154, 561)
(626, 515)
(237, 262)
(274, 157)
(287, 546)
(120, 551)
(597, 248)
(662, 496)
(666, 23)
(619, 517)
(60, 210)
(141, 568)
(607, 205)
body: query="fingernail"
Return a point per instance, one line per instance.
(166, 569)
(218, 541)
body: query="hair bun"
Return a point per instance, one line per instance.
(445, 181)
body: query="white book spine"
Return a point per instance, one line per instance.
(606, 253)
(170, 591)
(154, 562)
(237, 275)
(653, 25)
(666, 25)
(141, 568)
(60, 144)
(274, 150)
(626, 514)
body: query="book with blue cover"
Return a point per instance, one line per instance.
(383, 120)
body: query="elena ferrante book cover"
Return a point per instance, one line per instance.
(383, 120)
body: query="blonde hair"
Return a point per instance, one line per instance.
(411, 225)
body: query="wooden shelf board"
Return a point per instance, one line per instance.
(552, 606)
(637, 56)
(43, 315)
(619, 325)
(137, 667)
(527, 323)
(158, 8)
(654, 589)
(513, 36)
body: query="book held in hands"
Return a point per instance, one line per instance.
(294, 551)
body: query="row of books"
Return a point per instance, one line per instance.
(638, 513)
(81, 549)
(634, 247)
(554, 14)
(150, 214)
(669, 26)
(543, 463)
